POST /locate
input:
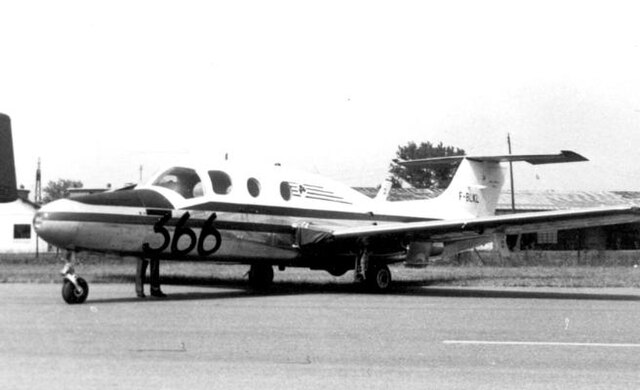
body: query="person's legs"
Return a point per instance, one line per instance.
(155, 279)
(141, 270)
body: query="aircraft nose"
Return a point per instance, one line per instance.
(50, 224)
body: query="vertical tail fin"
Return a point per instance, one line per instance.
(475, 189)
(8, 187)
(476, 186)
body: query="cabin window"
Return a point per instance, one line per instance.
(21, 232)
(184, 181)
(253, 186)
(221, 182)
(285, 190)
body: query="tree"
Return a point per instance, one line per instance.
(59, 189)
(437, 177)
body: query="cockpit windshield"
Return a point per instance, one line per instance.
(184, 181)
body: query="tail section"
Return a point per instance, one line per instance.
(474, 190)
(8, 187)
(476, 186)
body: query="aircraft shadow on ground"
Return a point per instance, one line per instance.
(241, 289)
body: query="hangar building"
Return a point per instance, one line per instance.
(16, 230)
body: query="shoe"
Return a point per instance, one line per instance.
(158, 294)
(141, 295)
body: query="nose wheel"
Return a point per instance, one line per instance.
(74, 288)
(72, 294)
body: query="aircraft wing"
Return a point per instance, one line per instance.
(453, 230)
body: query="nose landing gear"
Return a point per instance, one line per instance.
(74, 288)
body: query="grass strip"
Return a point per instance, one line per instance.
(101, 269)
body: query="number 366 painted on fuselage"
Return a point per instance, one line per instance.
(208, 230)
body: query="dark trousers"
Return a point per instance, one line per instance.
(154, 277)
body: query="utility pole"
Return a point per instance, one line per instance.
(38, 189)
(38, 201)
(513, 195)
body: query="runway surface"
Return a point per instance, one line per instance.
(223, 337)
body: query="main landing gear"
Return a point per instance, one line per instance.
(378, 278)
(74, 288)
(375, 276)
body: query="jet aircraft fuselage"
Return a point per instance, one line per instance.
(227, 213)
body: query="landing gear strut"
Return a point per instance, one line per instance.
(260, 276)
(377, 277)
(74, 288)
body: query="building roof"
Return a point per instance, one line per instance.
(562, 200)
(529, 200)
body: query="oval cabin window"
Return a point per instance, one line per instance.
(221, 182)
(285, 190)
(253, 186)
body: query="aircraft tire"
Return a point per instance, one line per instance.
(261, 276)
(378, 278)
(69, 293)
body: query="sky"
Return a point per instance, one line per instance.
(97, 90)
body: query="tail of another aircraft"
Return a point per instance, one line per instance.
(476, 186)
(383, 192)
(8, 187)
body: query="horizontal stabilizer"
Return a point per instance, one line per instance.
(564, 156)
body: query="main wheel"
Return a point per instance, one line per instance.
(378, 278)
(261, 276)
(73, 296)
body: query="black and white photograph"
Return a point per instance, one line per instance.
(319, 195)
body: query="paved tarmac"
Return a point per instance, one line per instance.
(309, 338)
